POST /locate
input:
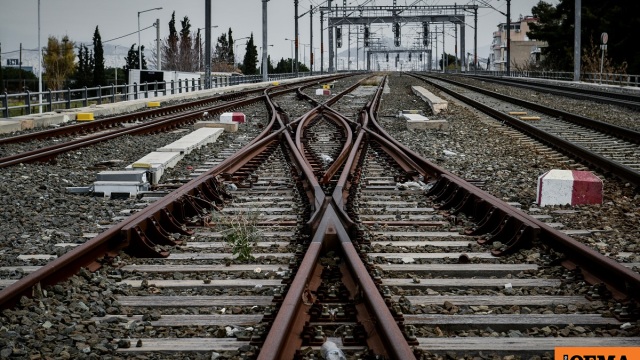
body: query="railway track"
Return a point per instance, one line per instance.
(628, 100)
(610, 148)
(302, 237)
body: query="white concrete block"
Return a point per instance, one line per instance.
(436, 103)
(233, 117)
(568, 187)
(120, 187)
(156, 163)
(193, 140)
(427, 125)
(228, 127)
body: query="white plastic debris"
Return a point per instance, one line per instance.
(625, 326)
(508, 286)
(330, 351)
(257, 270)
(258, 286)
(232, 187)
(448, 152)
(412, 185)
(326, 158)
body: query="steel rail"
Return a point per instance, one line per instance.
(602, 163)
(130, 234)
(283, 337)
(516, 229)
(614, 130)
(169, 122)
(160, 218)
(613, 98)
(101, 124)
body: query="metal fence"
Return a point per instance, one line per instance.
(596, 78)
(28, 102)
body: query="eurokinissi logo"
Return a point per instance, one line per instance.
(597, 353)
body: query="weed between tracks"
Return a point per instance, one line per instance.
(242, 233)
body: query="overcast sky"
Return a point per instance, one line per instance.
(115, 18)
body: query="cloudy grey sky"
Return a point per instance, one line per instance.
(115, 18)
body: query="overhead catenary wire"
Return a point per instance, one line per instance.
(88, 45)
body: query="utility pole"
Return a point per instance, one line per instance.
(295, 3)
(508, 37)
(358, 49)
(576, 40)
(475, 39)
(1, 84)
(159, 55)
(39, 64)
(321, 42)
(436, 57)
(207, 41)
(331, 68)
(311, 40)
(20, 67)
(265, 67)
(455, 47)
(349, 49)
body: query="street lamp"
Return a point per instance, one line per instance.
(139, 46)
(235, 61)
(305, 53)
(291, 53)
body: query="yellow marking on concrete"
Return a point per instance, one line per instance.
(153, 104)
(84, 117)
(275, 83)
(141, 166)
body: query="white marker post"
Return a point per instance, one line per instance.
(603, 47)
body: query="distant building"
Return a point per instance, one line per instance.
(524, 51)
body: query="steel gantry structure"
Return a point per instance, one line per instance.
(339, 16)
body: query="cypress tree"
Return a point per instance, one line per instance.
(99, 76)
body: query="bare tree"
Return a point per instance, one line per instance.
(180, 51)
(59, 62)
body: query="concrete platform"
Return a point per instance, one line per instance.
(156, 163)
(8, 126)
(64, 115)
(218, 125)
(27, 122)
(194, 140)
(435, 102)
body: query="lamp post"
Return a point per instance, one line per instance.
(139, 46)
(116, 64)
(291, 53)
(305, 54)
(235, 61)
